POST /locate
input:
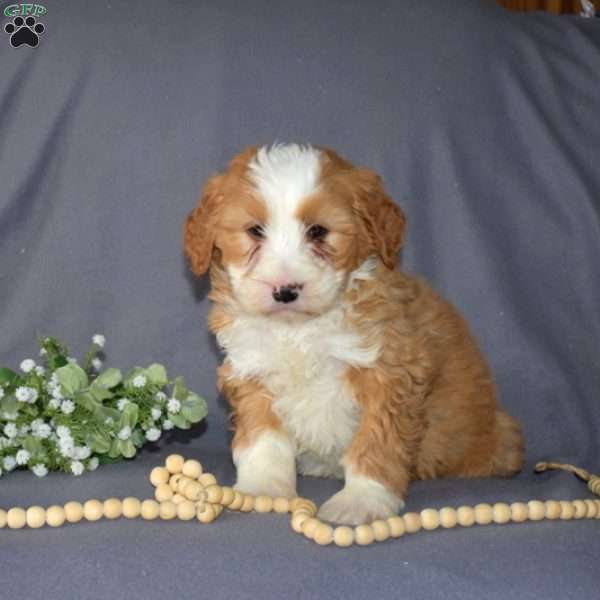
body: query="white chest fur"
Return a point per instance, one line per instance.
(303, 366)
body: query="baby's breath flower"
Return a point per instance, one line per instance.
(160, 396)
(43, 352)
(99, 340)
(63, 432)
(43, 431)
(39, 470)
(9, 463)
(125, 433)
(10, 430)
(96, 363)
(23, 457)
(139, 381)
(122, 403)
(67, 407)
(153, 434)
(93, 463)
(27, 365)
(26, 394)
(40, 370)
(54, 404)
(66, 447)
(156, 413)
(77, 467)
(173, 406)
(81, 452)
(167, 424)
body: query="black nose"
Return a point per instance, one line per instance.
(285, 294)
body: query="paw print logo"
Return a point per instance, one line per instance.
(24, 31)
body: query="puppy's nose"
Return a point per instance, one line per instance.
(286, 293)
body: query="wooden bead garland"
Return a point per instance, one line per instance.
(184, 491)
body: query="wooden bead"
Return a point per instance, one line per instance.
(228, 495)
(552, 509)
(183, 482)
(567, 511)
(150, 510)
(178, 499)
(132, 507)
(397, 528)
(363, 535)
(465, 515)
(192, 468)
(214, 494)
(519, 512)
(194, 491)
(597, 503)
(186, 510)
(483, 514)
(297, 521)
(430, 519)
(238, 500)
(537, 510)
(448, 517)
(174, 463)
(163, 492)
(412, 522)
(343, 536)
(36, 517)
(16, 517)
(3, 518)
(159, 475)
(218, 509)
(381, 530)
(304, 504)
(174, 481)
(248, 503)
(113, 508)
(207, 479)
(580, 509)
(73, 512)
(592, 509)
(264, 504)
(55, 515)
(281, 505)
(167, 510)
(323, 534)
(309, 527)
(208, 515)
(93, 510)
(501, 513)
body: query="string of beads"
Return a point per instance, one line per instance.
(183, 491)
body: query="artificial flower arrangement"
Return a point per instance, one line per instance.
(63, 416)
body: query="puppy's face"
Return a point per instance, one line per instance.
(288, 224)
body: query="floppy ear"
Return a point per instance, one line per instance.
(199, 229)
(384, 221)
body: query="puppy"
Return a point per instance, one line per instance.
(336, 364)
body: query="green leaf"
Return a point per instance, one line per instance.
(133, 374)
(138, 438)
(100, 393)
(157, 374)
(129, 416)
(179, 421)
(109, 378)
(126, 448)
(72, 378)
(109, 413)
(114, 451)
(32, 445)
(180, 392)
(98, 442)
(9, 404)
(194, 408)
(87, 401)
(7, 377)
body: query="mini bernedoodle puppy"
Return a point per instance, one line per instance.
(336, 364)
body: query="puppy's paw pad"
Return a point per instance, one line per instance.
(348, 508)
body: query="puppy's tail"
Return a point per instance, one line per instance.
(510, 447)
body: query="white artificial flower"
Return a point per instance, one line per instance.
(109, 421)
(54, 404)
(9, 463)
(139, 381)
(65, 447)
(96, 363)
(125, 433)
(153, 434)
(39, 470)
(93, 464)
(168, 424)
(67, 407)
(10, 430)
(23, 457)
(43, 431)
(57, 394)
(160, 396)
(122, 403)
(173, 406)
(81, 452)
(26, 394)
(40, 370)
(63, 432)
(1, 392)
(36, 423)
(77, 467)
(27, 365)
(99, 340)
(156, 413)
(43, 352)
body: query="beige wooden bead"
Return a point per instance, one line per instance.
(238, 500)
(159, 475)
(192, 468)
(363, 535)
(537, 510)
(248, 503)
(55, 515)
(174, 463)
(592, 509)
(93, 510)
(73, 512)
(208, 515)
(194, 491)
(397, 527)
(303, 504)
(323, 534)
(465, 515)
(381, 530)
(263, 504)
(218, 509)
(183, 482)
(430, 519)
(36, 517)
(174, 481)
(519, 512)
(501, 513)
(207, 479)
(412, 522)
(343, 536)
(186, 510)
(297, 521)
(309, 527)
(16, 517)
(483, 514)
(2, 518)
(167, 510)
(132, 507)
(580, 509)
(214, 494)
(567, 511)
(552, 509)
(597, 503)
(150, 510)
(228, 495)
(281, 505)
(178, 499)
(448, 518)
(163, 492)
(113, 508)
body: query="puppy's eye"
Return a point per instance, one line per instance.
(257, 232)
(316, 233)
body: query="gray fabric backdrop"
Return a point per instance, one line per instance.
(484, 125)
